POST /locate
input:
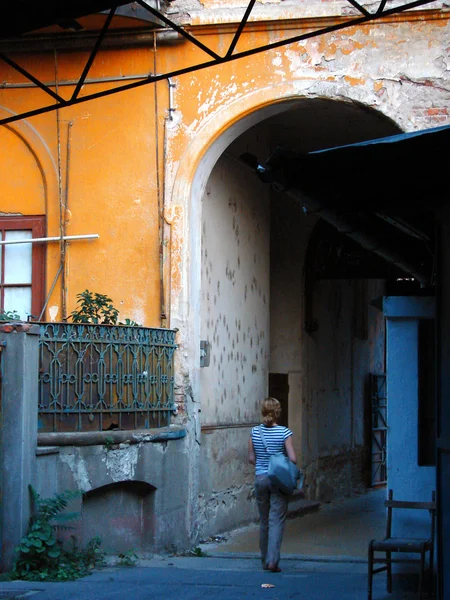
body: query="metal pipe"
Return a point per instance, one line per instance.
(162, 310)
(71, 82)
(49, 295)
(172, 109)
(89, 236)
(62, 212)
(84, 42)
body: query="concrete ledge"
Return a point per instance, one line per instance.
(96, 438)
(47, 450)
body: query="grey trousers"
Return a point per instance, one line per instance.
(272, 507)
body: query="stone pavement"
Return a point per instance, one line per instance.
(323, 558)
(177, 578)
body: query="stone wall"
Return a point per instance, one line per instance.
(134, 486)
(129, 499)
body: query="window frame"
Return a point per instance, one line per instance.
(35, 224)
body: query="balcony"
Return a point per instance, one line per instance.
(104, 377)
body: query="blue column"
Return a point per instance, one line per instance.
(405, 477)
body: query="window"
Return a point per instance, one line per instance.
(22, 266)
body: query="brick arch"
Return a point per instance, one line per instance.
(41, 154)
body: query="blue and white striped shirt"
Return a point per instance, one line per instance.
(274, 437)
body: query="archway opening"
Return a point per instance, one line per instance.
(254, 243)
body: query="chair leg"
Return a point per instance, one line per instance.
(422, 569)
(431, 573)
(370, 571)
(389, 572)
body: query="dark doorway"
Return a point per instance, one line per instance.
(279, 389)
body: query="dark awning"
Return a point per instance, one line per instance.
(382, 193)
(404, 170)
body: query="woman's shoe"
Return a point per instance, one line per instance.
(273, 568)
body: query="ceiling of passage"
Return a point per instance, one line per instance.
(381, 196)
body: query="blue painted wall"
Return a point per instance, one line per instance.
(405, 477)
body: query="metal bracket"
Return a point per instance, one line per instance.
(205, 353)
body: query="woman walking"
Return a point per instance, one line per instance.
(272, 504)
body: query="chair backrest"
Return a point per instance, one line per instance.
(390, 504)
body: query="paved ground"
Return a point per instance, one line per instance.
(323, 559)
(218, 578)
(341, 529)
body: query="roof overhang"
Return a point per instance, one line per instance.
(24, 16)
(383, 193)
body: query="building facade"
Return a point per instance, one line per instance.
(189, 240)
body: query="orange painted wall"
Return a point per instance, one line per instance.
(121, 165)
(111, 182)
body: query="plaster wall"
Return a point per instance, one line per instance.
(230, 11)
(117, 176)
(335, 409)
(235, 294)
(18, 433)
(226, 482)
(235, 310)
(129, 498)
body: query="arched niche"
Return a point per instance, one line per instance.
(121, 514)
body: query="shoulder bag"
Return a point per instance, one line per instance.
(283, 473)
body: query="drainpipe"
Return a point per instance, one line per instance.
(167, 240)
(62, 211)
(162, 308)
(161, 187)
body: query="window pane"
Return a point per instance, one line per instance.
(18, 258)
(19, 301)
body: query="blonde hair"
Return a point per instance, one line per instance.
(271, 411)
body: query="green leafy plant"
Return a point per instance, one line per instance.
(41, 556)
(97, 309)
(109, 442)
(130, 323)
(94, 308)
(128, 559)
(9, 315)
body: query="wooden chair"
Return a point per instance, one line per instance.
(411, 545)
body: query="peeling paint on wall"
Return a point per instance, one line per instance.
(121, 463)
(76, 464)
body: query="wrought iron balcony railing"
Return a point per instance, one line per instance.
(101, 377)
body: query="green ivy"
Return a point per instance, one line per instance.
(41, 556)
